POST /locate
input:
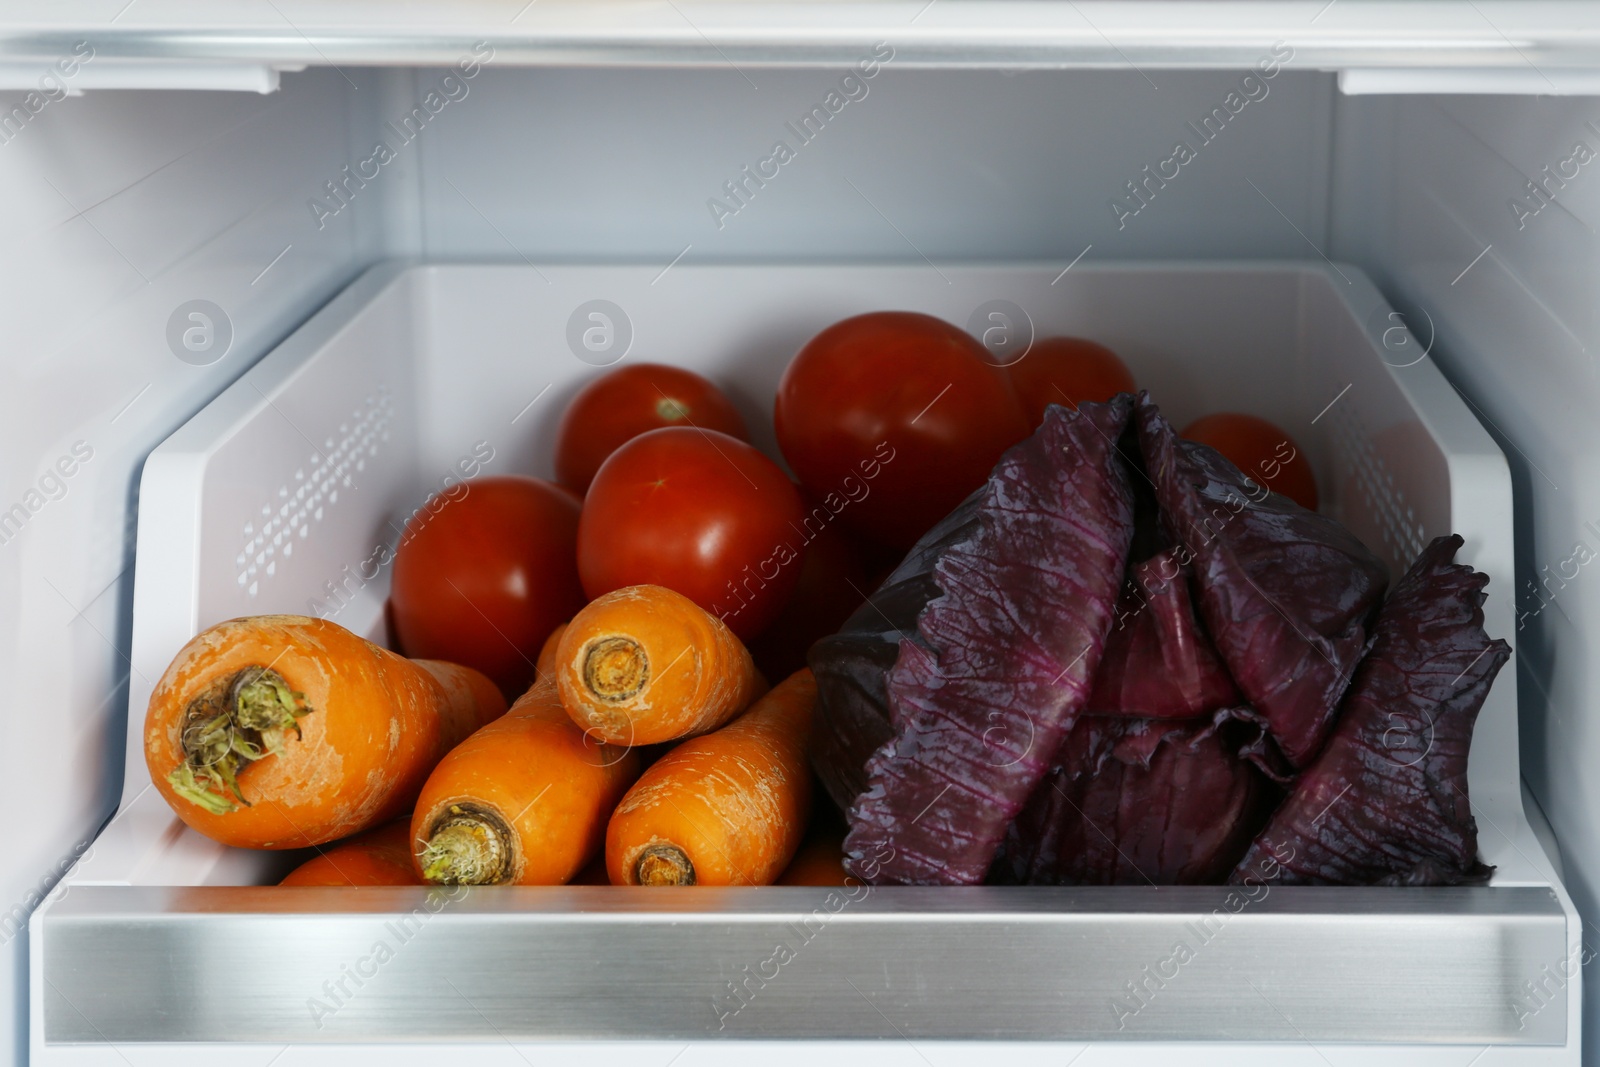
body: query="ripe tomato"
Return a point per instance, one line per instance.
(483, 576)
(700, 513)
(629, 401)
(898, 412)
(1261, 450)
(1067, 371)
(833, 583)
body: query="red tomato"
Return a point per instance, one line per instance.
(899, 413)
(833, 583)
(1261, 450)
(701, 513)
(628, 402)
(482, 576)
(1067, 371)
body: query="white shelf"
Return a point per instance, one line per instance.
(1547, 47)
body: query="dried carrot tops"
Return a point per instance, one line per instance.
(644, 664)
(282, 731)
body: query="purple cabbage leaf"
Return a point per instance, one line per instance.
(1004, 657)
(852, 666)
(1158, 662)
(1386, 801)
(1138, 802)
(1284, 592)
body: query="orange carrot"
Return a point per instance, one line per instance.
(725, 809)
(645, 664)
(546, 664)
(523, 801)
(820, 861)
(282, 731)
(377, 857)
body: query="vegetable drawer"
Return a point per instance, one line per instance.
(288, 492)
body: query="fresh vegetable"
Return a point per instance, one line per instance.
(547, 655)
(644, 664)
(1261, 450)
(852, 666)
(626, 402)
(1139, 802)
(483, 576)
(1003, 659)
(1159, 663)
(1386, 801)
(899, 412)
(282, 731)
(820, 861)
(833, 583)
(698, 512)
(1111, 656)
(523, 801)
(377, 857)
(1285, 592)
(950, 698)
(725, 809)
(1067, 371)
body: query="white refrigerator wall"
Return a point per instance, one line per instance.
(121, 208)
(1478, 214)
(126, 206)
(915, 165)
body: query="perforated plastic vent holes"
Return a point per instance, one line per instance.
(1395, 518)
(302, 502)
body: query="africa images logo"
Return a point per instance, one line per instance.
(450, 88)
(852, 87)
(1252, 88)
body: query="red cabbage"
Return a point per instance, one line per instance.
(1004, 658)
(1386, 801)
(1159, 663)
(1284, 592)
(852, 666)
(980, 716)
(1138, 802)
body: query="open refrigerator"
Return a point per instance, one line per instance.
(276, 268)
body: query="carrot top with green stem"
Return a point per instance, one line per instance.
(237, 720)
(283, 731)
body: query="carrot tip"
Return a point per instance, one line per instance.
(616, 668)
(469, 846)
(664, 865)
(234, 722)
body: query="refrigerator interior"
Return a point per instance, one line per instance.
(126, 205)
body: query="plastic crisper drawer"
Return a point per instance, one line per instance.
(283, 493)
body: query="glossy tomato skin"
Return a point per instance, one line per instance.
(701, 513)
(899, 412)
(481, 576)
(1068, 371)
(629, 401)
(1262, 450)
(833, 583)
